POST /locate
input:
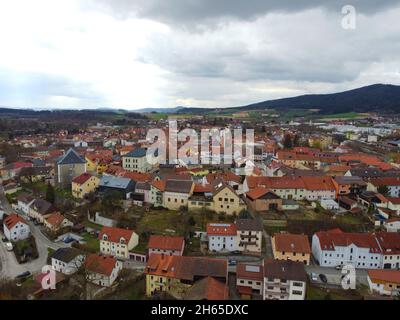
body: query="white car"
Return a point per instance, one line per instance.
(314, 276)
(9, 246)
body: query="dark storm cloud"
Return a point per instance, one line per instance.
(187, 12)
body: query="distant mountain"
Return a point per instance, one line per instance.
(377, 97)
(161, 110)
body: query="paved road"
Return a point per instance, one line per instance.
(334, 276)
(9, 267)
(268, 246)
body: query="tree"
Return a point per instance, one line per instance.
(245, 214)
(50, 193)
(383, 190)
(287, 142)
(296, 140)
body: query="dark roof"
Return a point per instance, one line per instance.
(249, 224)
(115, 182)
(178, 186)
(284, 270)
(137, 153)
(42, 206)
(65, 254)
(71, 157)
(34, 171)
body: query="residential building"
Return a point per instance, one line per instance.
(207, 289)
(362, 250)
(176, 274)
(117, 242)
(15, 228)
(120, 187)
(249, 280)
(177, 193)
(102, 270)
(222, 237)
(346, 185)
(384, 282)
(84, 184)
(136, 160)
(249, 235)
(41, 209)
(392, 184)
(284, 280)
(157, 188)
(168, 245)
(56, 221)
(225, 199)
(24, 202)
(67, 260)
(392, 225)
(294, 247)
(262, 199)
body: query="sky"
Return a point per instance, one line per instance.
(202, 53)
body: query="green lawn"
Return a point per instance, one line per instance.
(92, 242)
(317, 293)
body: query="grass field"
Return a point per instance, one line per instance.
(345, 116)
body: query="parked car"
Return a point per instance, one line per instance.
(23, 275)
(323, 278)
(9, 246)
(68, 239)
(314, 276)
(232, 263)
(339, 267)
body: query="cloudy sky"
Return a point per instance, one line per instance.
(207, 53)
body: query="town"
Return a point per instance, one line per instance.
(319, 208)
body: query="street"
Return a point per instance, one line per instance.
(334, 276)
(9, 267)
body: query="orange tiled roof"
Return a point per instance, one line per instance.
(12, 220)
(223, 229)
(166, 242)
(100, 264)
(292, 243)
(383, 276)
(115, 234)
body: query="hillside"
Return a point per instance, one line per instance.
(378, 97)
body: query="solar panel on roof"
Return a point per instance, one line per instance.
(253, 268)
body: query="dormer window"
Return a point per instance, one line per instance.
(122, 241)
(105, 238)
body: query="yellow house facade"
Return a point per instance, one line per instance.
(226, 200)
(291, 247)
(84, 184)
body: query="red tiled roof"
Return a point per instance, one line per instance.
(55, 219)
(257, 193)
(82, 178)
(202, 188)
(12, 220)
(100, 264)
(159, 184)
(385, 181)
(166, 242)
(223, 229)
(115, 234)
(252, 272)
(381, 276)
(286, 242)
(329, 239)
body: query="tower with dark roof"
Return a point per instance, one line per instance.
(69, 166)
